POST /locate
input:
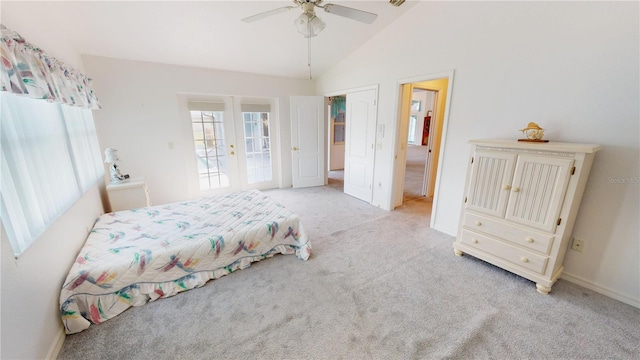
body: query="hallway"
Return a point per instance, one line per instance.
(414, 173)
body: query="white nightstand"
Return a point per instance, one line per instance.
(131, 194)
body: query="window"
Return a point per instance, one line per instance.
(413, 119)
(50, 157)
(338, 106)
(338, 129)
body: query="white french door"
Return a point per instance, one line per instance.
(214, 139)
(232, 141)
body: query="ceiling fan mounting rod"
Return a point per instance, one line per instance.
(307, 8)
(302, 2)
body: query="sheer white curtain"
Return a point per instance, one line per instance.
(50, 157)
(84, 145)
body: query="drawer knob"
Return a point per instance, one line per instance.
(516, 189)
(506, 187)
(475, 241)
(524, 259)
(529, 239)
(478, 223)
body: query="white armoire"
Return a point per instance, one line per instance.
(520, 203)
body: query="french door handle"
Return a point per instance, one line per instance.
(232, 153)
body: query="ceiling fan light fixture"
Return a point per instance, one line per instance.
(309, 25)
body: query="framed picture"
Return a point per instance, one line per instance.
(416, 105)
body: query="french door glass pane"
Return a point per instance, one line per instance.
(258, 152)
(211, 154)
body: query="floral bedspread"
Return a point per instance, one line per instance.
(136, 256)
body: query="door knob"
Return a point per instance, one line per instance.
(295, 148)
(516, 189)
(233, 153)
(231, 146)
(506, 187)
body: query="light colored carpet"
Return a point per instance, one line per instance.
(414, 172)
(379, 285)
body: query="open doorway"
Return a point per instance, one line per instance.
(336, 136)
(435, 127)
(423, 104)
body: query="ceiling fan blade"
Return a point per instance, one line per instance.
(351, 13)
(265, 14)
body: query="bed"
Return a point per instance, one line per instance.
(136, 256)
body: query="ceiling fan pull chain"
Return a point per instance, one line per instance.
(309, 48)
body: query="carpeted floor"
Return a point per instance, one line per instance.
(379, 285)
(414, 172)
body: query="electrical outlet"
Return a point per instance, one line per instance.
(577, 245)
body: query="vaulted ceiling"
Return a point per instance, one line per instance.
(207, 34)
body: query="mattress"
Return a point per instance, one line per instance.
(136, 256)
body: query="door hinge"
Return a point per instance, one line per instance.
(559, 221)
(573, 170)
(472, 159)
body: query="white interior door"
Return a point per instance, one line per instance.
(307, 141)
(359, 144)
(401, 148)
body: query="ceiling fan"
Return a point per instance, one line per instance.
(308, 24)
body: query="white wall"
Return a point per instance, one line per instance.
(31, 325)
(29, 20)
(571, 67)
(141, 114)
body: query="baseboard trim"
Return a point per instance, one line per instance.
(600, 289)
(444, 231)
(56, 346)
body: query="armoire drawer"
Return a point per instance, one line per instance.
(503, 250)
(528, 238)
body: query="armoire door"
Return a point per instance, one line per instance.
(537, 191)
(491, 174)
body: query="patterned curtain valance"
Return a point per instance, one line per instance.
(29, 71)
